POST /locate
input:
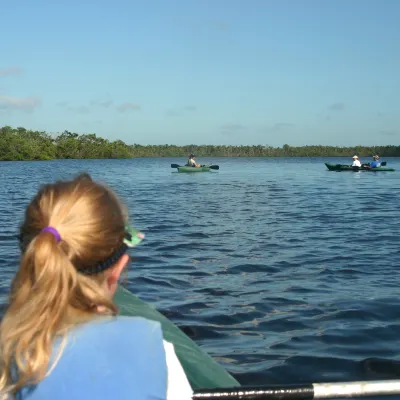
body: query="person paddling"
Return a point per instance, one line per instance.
(356, 162)
(191, 162)
(376, 163)
(60, 337)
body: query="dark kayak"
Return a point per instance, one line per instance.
(342, 167)
(202, 371)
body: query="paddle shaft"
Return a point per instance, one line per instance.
(304, 392)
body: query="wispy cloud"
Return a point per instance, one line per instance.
(82, 110)
(388, 132)
(128, 107)
(337, 106)
(105, 103)
(27, 104)
(280, 126)
(62, 104)
(10, 71)
(180, 112)
(219, 25)
(231, 129)
(190, 108)
(171, 113)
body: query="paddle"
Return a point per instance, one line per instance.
(209, 166)
(304, 391)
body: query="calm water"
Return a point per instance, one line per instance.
(283, 271)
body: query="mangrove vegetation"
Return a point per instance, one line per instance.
(23, 144)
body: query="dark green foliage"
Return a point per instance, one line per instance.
(22, 144)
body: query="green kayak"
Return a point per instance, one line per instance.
(342, 167)
(202, 371)
(193, 169)
(203, 168)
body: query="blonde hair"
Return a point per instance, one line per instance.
(49, 294)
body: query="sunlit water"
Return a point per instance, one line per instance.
(283, 271)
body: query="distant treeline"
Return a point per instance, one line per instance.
(22, 144)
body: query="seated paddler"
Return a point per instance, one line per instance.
(191, 162)
(61, 336)
(375, 163)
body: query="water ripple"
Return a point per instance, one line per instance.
(283, 271)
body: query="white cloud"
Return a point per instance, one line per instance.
(27, 104)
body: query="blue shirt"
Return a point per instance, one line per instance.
(375, 164)
(113, 358)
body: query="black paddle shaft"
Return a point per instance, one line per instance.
(292, 392)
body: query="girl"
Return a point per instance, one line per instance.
(60, 337)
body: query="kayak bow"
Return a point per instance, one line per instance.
(201, 370)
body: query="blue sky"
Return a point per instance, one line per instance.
(204, 71)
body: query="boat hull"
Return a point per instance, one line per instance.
(193, 169)
(341, 167)
(201, 370)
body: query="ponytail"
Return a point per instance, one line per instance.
(45, 281)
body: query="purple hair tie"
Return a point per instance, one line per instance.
(53, 231)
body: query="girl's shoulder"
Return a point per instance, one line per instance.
(116, 357)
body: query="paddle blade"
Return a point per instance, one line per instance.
(383, 164)
(174, 165)
(214, 167)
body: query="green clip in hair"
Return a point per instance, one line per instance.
(132, 236)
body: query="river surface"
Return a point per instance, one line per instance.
(281, 270)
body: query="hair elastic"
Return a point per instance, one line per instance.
(53, 231)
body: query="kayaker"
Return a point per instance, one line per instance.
(356, 162)
(191, 162)
(376, 163)
(60, 337)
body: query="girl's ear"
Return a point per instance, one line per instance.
(114, 274)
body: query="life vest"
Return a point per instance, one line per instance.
(114, 358)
